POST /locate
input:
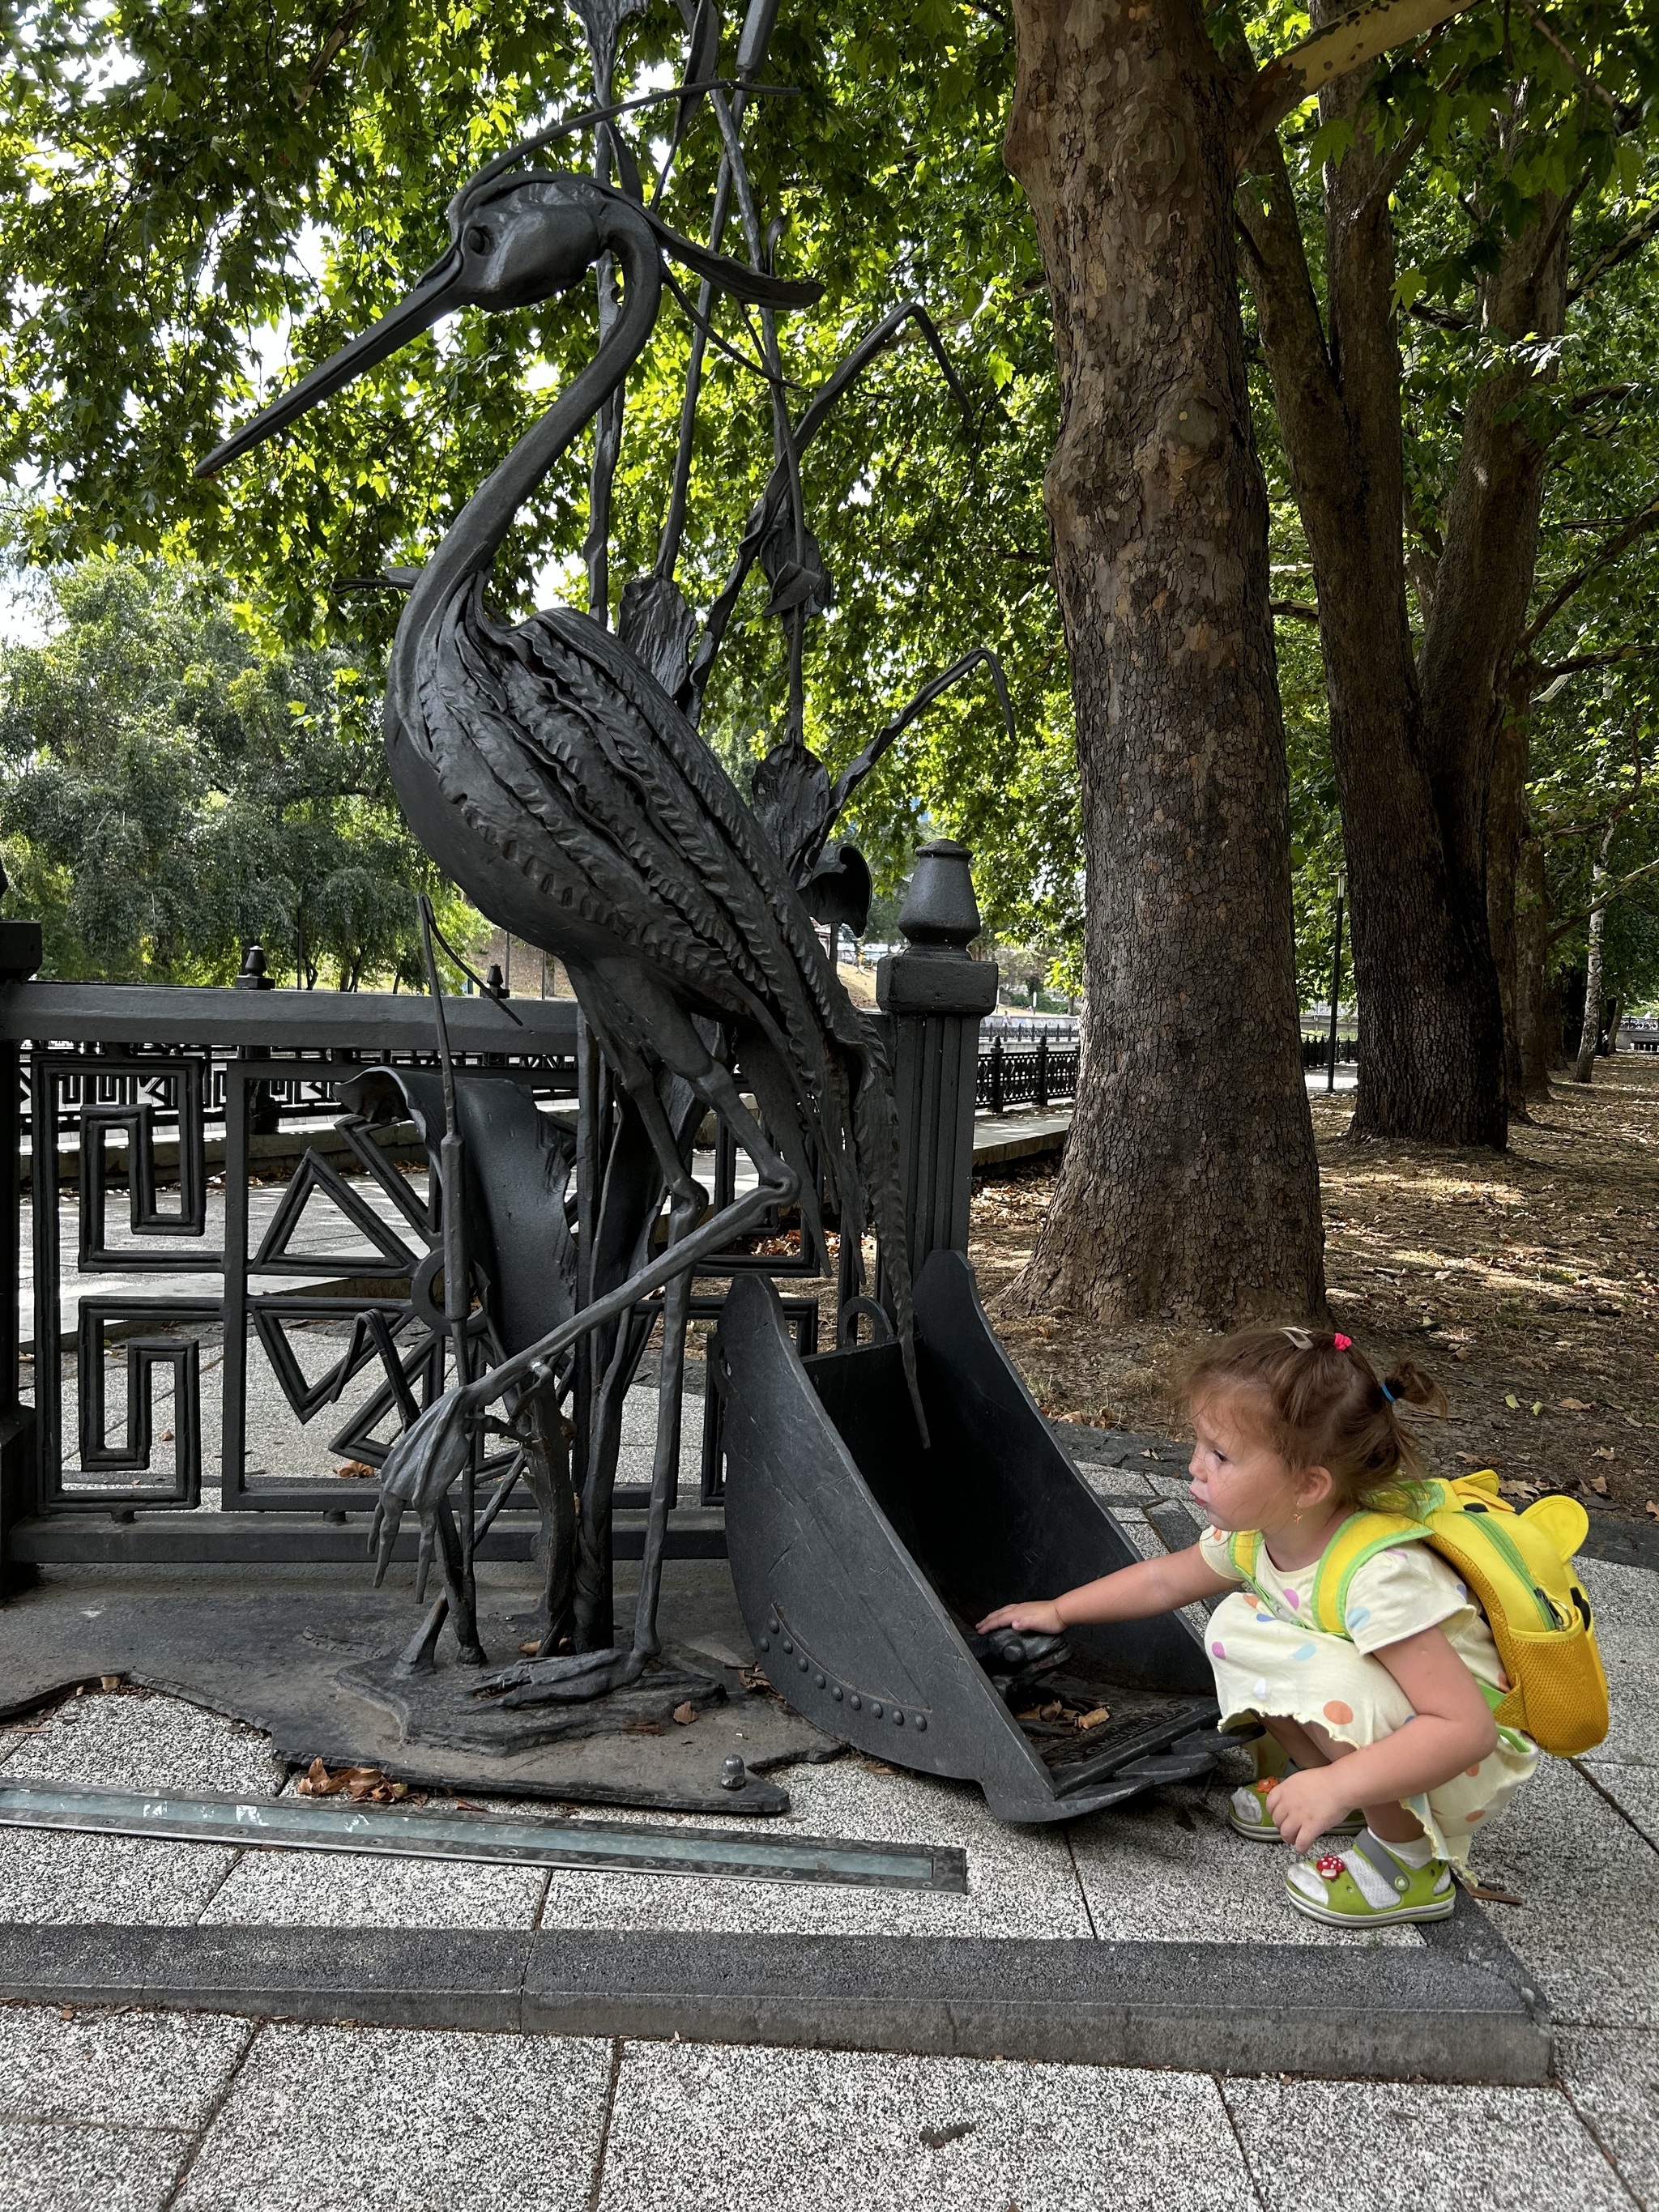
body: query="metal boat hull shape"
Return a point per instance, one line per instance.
(862, 1561)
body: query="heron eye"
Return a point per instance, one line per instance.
(479, 237)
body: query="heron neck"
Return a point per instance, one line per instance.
(470, 547)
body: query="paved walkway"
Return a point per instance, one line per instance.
(146, 2112)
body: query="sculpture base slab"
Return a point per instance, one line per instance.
(279, 1649)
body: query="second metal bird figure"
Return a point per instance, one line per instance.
(552, 777)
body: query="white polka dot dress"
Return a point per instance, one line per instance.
(1269, 1660)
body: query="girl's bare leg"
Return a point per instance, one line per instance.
(1310, 1744)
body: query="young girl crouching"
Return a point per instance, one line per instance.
(1386, 1729)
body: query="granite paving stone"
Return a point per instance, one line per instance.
(1021, 1881)
(1626, 1602)
(332, 2119)
(119, 2069)
(1589, 1890)
(761, 2130)
(1613, 2079)
(341, 1889)
(58, 2168)
(1634, 1789)
(46, 1875)
(1418, 2148)
(122, 1742)
(1166, 1867)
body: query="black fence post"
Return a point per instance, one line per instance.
(997, 1097)
(20, 956)
(935, 997)
(1042, 1073)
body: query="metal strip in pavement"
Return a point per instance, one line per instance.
(589, 1846)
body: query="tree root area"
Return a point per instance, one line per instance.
(1526, 1283)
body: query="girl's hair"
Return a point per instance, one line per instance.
(1317, 1400)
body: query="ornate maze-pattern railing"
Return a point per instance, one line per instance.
(211, 1313)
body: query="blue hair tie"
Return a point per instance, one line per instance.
(1385, 1388)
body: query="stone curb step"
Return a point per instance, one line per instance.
(1456, 2010)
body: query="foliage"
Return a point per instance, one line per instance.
(1504, 124)
(168, 793)
(210, 199)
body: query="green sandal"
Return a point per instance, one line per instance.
(1247, 1813)
(1369, 1888)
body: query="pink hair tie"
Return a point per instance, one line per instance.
(1341, 1344)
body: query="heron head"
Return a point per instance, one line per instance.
(515, 237)
(521, 239)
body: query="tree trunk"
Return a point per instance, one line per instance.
(1537, 1007)
(1506, 829)
(1590, 1031)
(1413, 739)
(1430, 1023)
(1190, 1186)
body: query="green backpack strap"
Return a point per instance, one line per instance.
(1361, 1537)
(1245, 1550)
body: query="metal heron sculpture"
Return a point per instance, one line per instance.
(550, 775)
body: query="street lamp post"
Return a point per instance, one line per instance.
(1336, 977)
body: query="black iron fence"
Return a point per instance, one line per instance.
(1316, 1051)
(1041, 1075)
(211, 1328)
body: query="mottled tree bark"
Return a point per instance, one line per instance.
(1506, 833)
(1537, 1007)
(1189, 1186)
(1414, 735)
(1590, 1029)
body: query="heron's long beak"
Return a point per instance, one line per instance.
(437, 294)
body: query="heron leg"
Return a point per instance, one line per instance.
(689, 1199)
(420, 1657)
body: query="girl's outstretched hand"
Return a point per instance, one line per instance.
(1308, 1805)
(1041, 1617)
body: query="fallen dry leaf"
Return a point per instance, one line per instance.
(109, 1681)
(1093, 1720)
(878, 1766)
(1598, 1483)
(685, 1714)
(1574, 1404)
(1511, 1400)
(1476, 1887)
(364, 1785)
(530, 1650)
(1048, 1712)
(642, 1727)
(1604, 1451)
(753, 1679)
(1653, 1509)
(167, 1435)
(356, 1470)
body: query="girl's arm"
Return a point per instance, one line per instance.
(1452, 1731)
(1131, 1593)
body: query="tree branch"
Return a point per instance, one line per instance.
(1637, 526)
(1399, 160)
(1624, 113)
(1576, 663)
(1294, 609)
(1605, 899)
(1358, 37)
(1633, 242)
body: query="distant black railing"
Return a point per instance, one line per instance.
(1316, 1051)
(294, 1094)
(1039, 1077)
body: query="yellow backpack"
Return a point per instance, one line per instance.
(1519, 1566)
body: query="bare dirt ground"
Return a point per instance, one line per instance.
(1527, 1284)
